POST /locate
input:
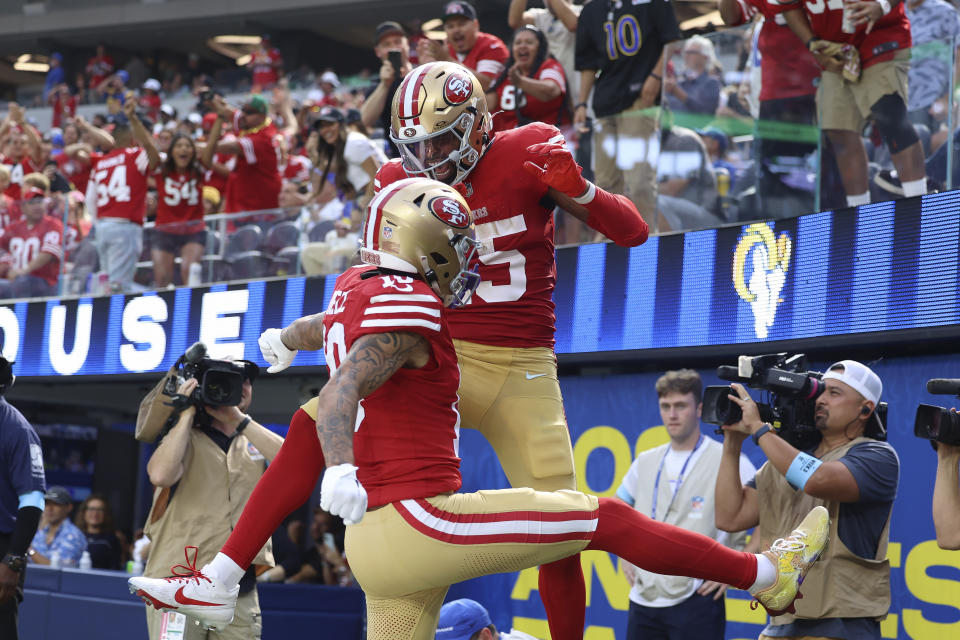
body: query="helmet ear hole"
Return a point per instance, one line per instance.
(438, 259)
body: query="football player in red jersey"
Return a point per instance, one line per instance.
(32, 250)
(482, 53)
(179, 224)
(388, 424)
(532, 87)
(117, 193)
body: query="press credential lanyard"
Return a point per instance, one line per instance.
(676, 490)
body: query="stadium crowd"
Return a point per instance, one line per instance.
(725, 129)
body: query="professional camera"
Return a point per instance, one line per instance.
(219, 382)
(790, 404)
(937, 423)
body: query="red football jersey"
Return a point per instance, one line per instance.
(405, 438)
(264, 73)
(530, 108)
(22, 242)
(17, 171)
(257, 183)
(179, 205)
(513, 306)
(787, 68)
(9, 211)
(120, 182)
(297, 169)
(76, 172)
(98, 68)
(487, 56)
(890, 34)
(212, 179)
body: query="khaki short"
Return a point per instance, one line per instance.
(512, 396)
(247, 623)
(407, 553)
(845, 106)
(626, 148)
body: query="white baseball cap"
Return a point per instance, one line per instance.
(153, 84)
(858, 377)
(331, 77)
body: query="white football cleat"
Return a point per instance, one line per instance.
(191, 592)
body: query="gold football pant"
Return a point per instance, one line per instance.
(512, 396)
(407, 553)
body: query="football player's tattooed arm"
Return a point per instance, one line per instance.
(371, 361)
(304, 334)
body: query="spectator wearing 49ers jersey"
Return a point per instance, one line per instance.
(117, 193)
(866, 80)
(255, 182)
(20, 148)
(33, 249)
(482, 53)
(179, 222)
(531, 88)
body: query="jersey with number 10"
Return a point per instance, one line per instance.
(622, 41)
(513, 217)
(406, 431)
(119, 184)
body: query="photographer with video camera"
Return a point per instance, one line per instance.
(942, 428)
(851, 471)
(210, 456)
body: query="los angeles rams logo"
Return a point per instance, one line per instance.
(457, 89)
(450, 211)
(770, 262)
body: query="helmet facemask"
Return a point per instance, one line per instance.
(461, 286)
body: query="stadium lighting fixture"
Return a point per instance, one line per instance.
(242, 40)
(700, 22)
(244, 60)
(433, 29)
(26, 63)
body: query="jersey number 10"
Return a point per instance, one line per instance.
(624, 39)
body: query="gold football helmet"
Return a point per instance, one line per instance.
(425, 227)
(440, 121)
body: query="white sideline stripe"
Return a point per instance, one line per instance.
(410, 297)
(403, 309)
(533, 527)
(401, 322)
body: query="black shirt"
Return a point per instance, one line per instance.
(104, 550)
(623, 41)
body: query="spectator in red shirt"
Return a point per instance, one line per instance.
(80, 152)
(150, 101)
(179, 223)
(117, 194)
(255, 182)
(482, 53)
(33, 249)
(533, 86)
(9, 208)
(99, 67)
(22, 150)
(266, 65)
(64, 104)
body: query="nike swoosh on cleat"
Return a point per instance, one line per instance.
(182, 599)
(150, 600)
(531, 376)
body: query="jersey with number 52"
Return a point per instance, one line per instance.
(513, 217)
(405, 437)
(119, 184)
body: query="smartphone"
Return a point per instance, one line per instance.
(206, 96)
(329, 542)
(396, 60)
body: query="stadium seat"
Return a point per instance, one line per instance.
(286, 262)
(243, 257)
(245, 238)
(320, 230)
(280, 236)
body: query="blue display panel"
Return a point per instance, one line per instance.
(883, 267)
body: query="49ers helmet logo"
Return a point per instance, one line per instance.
(457, 89)
(450, 211)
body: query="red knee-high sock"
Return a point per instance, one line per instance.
(564, 597)
(664, 548)
(287, 484)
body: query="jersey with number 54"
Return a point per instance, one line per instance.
(405, 439)
(513, 218)
(118, 182)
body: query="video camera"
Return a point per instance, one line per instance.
(792, 392)
(937, 423)
(219, 382)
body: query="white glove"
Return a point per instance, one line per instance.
(274, 351)
(341, 494)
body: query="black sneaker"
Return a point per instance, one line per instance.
(888, 180)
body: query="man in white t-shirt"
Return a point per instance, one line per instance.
(558, 22)
(675, 483)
